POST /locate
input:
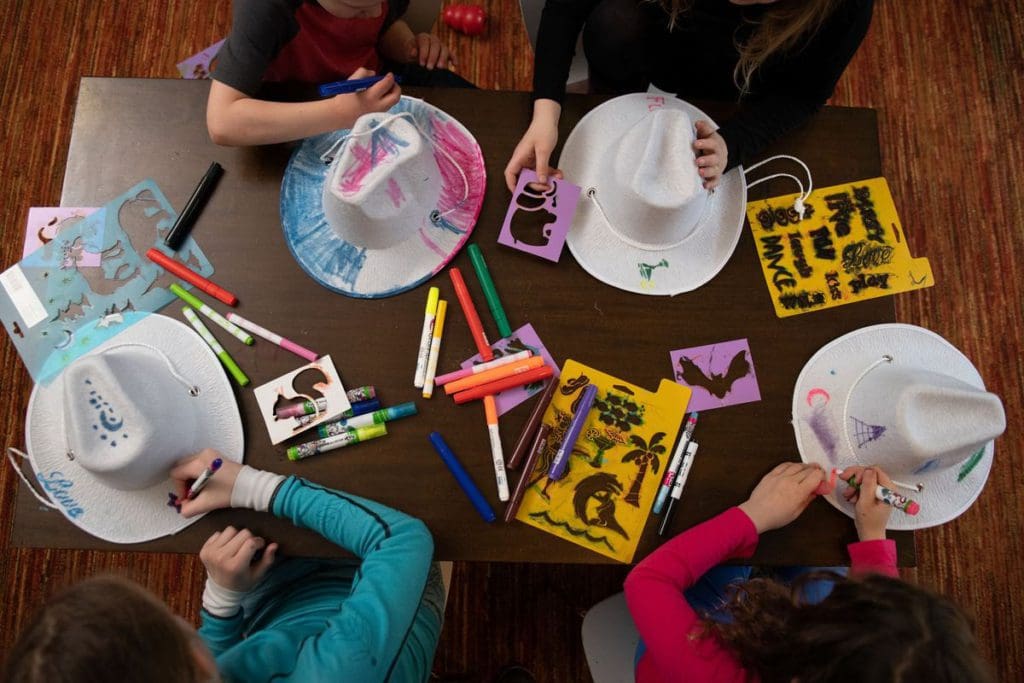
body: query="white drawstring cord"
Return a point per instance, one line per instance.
(17, 470)
(798, 204)
(328, 156)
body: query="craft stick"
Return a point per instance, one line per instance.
(494, 375)
(481, 367)
(189, 298)
(423, 355)
(538, 446)
(475, 327)
(491, 388)
(264, 333)
(525, 439)
(490, 292)
(183, 272)
(435, 349)
(208, 337)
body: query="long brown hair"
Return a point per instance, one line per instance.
(782, 28)
(100, 630)
(873, 629)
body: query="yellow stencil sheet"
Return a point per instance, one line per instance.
(849, 247)
(615, 468)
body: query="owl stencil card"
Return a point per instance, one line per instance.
(720, 374)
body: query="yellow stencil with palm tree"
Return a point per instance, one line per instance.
(603, 501)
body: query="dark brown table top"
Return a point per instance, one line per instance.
(129, 129)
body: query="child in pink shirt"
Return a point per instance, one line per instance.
(869, 627)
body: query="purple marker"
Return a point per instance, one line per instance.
(561, 461)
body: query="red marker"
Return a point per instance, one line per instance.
(183, 272)
(492, 388)
(475, 327)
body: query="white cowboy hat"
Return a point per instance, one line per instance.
(378, 209)
(104, 434)
(903, 398)
(645, 224)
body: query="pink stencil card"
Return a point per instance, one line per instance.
(44, 222)
(537, 220)
(719, 374)
(199, 65)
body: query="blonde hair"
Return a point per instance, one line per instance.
(781, 29)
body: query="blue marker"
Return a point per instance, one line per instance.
(673, 469)
(350, 86)
(462, 477)
(561, 460)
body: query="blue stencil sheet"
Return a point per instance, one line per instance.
(46, 300)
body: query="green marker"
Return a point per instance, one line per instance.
(346, 438)
(367, 419)
(490, 293)
(208, 337)
(233, 329)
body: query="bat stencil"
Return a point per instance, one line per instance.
(720, 374)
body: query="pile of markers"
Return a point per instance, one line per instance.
(363, 421)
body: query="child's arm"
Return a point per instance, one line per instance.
(399, 44)
(234, 118)
(873, 553)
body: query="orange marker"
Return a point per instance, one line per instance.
(494, 375)
(491, 410)
(492, 388)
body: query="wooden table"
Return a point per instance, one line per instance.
(129, 129)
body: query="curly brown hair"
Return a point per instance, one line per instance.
(100, 630)
(782, 28)
(871, 629)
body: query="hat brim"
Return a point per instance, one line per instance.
(359, 272)
(142, 515)
(604, 255)
(821, 392)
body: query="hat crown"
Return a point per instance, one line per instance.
(908, 420)
(651, 192)
(128, 417)
(376, 185)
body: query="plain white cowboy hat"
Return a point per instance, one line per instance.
(644, 223)
(103, 435)
(378, 209)
(905, 399)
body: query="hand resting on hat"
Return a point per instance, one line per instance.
(870, 514)
(712, 154)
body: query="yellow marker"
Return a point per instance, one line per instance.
(428, 328)
(435, 349)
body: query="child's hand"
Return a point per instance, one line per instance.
(427, 49)
(216, 494)
(379, 97)
(536, 146)
(228, 557)
(782, 495)
(870, 514)
(712, 154)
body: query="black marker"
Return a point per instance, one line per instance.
(193, 206)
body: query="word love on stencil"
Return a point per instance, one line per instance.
(848, 247)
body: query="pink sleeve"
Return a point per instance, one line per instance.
(873, 557)
(669, 627)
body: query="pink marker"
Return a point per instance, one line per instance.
(482, 367)
(264, 333)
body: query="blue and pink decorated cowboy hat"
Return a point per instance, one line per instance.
(376, 210)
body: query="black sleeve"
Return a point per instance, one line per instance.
(259, 29)
(560, 24)
(792, 89)
(396, 10)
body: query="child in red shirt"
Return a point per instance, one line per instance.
(872, 627)
(313, 42)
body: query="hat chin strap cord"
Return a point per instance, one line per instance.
(328, 156)
(11, 452)
(798, 204)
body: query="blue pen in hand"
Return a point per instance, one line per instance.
(350, 86)
(561, 460)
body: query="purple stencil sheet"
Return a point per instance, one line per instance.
(720, 374)
(522, 339)
(44, 222)
(199, 65)
(528, 206)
